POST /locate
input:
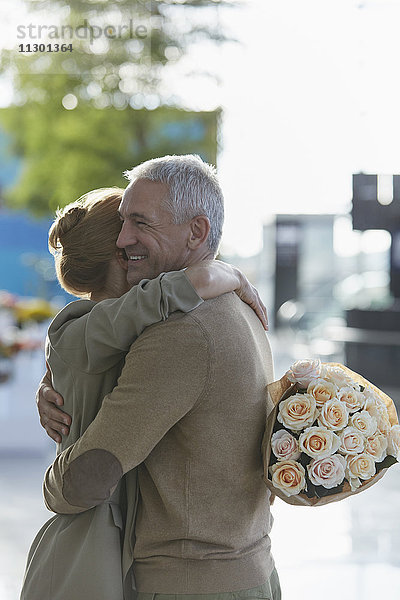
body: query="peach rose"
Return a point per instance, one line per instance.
(304, 371)
(322, 391)
(328, 472)
(352, 441)
(297, 412)
(284, 445)
(337, 376)
(353, 399)
(363, 421)
(384, 425)
(376, 445)
(288, 476)
(318, 442)
(394, 442)
(361, 466)
(334, 415)
(374, 404)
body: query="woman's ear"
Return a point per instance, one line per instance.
(199, 230)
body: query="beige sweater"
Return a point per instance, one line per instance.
(189, 409)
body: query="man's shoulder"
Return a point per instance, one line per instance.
(224, 312)
(220, 332)
(225, 316)
(180, 328)
(223, 319)
(227, 307)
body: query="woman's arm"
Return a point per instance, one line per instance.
(107, 329)
(94, 341)
(211, 278)
(92, 337)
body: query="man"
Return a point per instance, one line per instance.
(189, 409)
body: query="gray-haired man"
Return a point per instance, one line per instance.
(189, 409)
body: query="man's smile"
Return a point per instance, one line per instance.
(136, 256)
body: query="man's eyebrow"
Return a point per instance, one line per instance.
(134, 215)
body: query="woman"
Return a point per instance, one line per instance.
(79, 556)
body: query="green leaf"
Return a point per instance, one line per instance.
(386, 463)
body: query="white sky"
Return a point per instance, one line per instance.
(310, 97)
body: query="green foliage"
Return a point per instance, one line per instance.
(122, 66)
(67, 153)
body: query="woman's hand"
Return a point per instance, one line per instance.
(249, 294)
(211, 278)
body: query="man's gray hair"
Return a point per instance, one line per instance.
(193, 190)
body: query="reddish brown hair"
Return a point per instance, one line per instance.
(83, 240)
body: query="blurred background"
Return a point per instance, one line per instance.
(297, 103)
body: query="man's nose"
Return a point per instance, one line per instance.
(126, 236)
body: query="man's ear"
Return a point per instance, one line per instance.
(199, 230)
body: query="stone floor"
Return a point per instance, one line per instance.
(349, 550)
(22, 513)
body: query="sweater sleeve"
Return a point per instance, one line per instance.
(165, 375)
(95, 341)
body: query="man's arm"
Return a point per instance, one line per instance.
(208, 278)
(95, 340)
(156, 389)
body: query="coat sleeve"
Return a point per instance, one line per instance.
(97, 340)
(165, 375)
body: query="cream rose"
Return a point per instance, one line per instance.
(363, 421)
(328, 472)
(318, 442)
(384, 425)
(337, 376)
(284, 445)
(376, 407)
(352, 441)
(297, 412)
(378, 411)
(374, 404)
(376, 445)
(304, 371)
(394, 442)
(334, 415)
(322, 391)
(361, 466)
(288, 476)
(353, 399)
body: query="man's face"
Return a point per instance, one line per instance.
(152, 243)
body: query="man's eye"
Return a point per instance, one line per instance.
(140, 223)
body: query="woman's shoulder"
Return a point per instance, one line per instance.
(71, 311)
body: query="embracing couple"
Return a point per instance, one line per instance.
(158, 480)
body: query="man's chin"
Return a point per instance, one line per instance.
(136, 274)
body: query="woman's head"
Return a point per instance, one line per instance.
(82, 240)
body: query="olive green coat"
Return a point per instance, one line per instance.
(89, 555)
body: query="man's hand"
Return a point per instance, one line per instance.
(54, 420)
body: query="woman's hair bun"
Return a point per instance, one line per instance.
(66, 220)
(83, 241)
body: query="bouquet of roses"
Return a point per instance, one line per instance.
(330, 434)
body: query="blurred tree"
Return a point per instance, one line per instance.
(67, 153)
(80, 117)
